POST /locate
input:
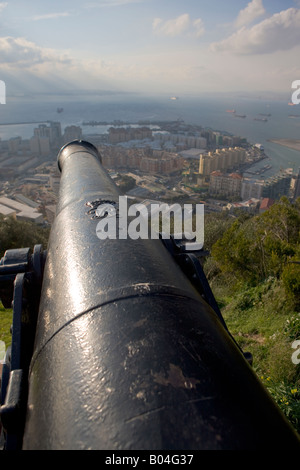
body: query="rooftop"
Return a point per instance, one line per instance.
(266, 203)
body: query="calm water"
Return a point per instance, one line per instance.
(205, 111)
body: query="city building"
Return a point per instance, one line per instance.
(147, 160)
(40, 180)
(259, 146)
(221, 160)
(251, 188)
(14, 144)
(40, 145)
(25, 200)
(265, 204)
(45, 138)
(51, 132)
(125, 134)
(250, 205)
(56, 134)
(72, 133)
(34, 145)
(191, 154)
(225, 184)
(22, 211)
(16, 165)
(182, 141)
(278, 185)
(297, 186)
(54, 181)
(7, 211)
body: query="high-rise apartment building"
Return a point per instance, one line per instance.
(123, 134)
(145, 160)
(251, 189)
(221, 160)
(225, 184)
(45, 138)
(72, 133)
(278, 186)
(297, 186)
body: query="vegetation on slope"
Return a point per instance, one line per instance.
(254, 272)
(17, 234)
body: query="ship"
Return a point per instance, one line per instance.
(262, 114)
(261, 119)
(174, 98)
(240, 115)
(230, 111)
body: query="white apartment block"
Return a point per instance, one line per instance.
(251, 189)
(221, 160)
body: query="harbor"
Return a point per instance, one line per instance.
(260, 171)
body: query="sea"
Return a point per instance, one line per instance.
(21, 114)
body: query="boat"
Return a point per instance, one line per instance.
(59, 110)
(174, 98)
(240, 115)
(230, 111)
(261, 119)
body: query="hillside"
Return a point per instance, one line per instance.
(254, 273)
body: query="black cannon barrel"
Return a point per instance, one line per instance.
(127, 354)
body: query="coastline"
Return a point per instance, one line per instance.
(293, 144)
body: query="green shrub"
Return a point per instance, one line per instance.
(287, 397)
(291, 281)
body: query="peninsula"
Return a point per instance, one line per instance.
(290, 143)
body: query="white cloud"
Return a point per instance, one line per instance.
(253, 10)
(177, 26)
(2, 6)
(172, 27)
(110, 3)
(199, 27)
(279, 32)
(25, 65)
(50, 16)
(18, 52)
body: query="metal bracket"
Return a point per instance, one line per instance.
(192, 268)
(20, 286)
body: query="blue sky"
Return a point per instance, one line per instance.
(157, 46)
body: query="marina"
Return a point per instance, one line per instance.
(260, 170)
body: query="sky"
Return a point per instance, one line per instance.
(150, 46)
